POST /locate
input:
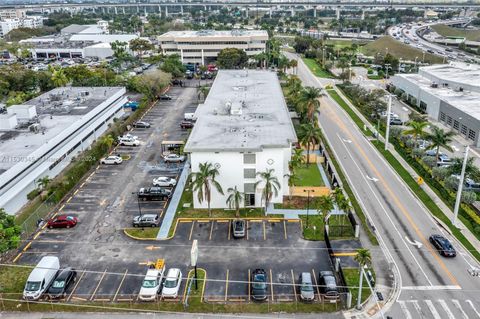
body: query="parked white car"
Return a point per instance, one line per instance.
(152, 283)
(111, 160)
(172, 283)
(164, 181)
(174, 158)
(128, 141)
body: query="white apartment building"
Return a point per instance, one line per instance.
(7, 25)
(40, 137)
(202, 47)
(243, 128)
(12, 14)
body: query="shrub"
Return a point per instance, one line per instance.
(430, 161)
(468, 197)
(451, 183)
(440, 173)
(33, 194)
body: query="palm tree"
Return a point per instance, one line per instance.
(293, 64)
(363, 258)
(471, 171)
(292, 179)
(325, 204)
(309, 135)
(43, 182)
(297, 159)
(203, 91)
(59, 78)
(417, 130)
(271, 186)
(440, 138)
(343, 203)
(202, 182)
(234, 199)
(310, 103)
(108, 141)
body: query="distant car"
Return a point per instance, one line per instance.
(177, 82)
(165, 97)
(259, 285)
(306, 287)
(443, 245)
(172, 283)
(328, 285)
(444, 160)
(111, 160)
(173, 158)
(146, 220)
(59, 286)
(141, 124)
(238, 228)
(433, 152)
(62, 221)
(128, 141)
(396, 121)
(154, 193)
(164, 181)
(186, 124)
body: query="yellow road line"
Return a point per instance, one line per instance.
(211, 230)
(184, 221)
(293, 220)
(222, 221)
(27, 246)
(81, 185)
(226, 286)
(98, 285)
(396, 200)
(256, 220)
(61, 207)
(76, 191)
(16, 258)
(274, 220)
(294, 286)
(119, 286)
(69, 199)
(36, 235)
(271, 283)
(344, 254)
(76, 285)
(285, 229)
(191, 231)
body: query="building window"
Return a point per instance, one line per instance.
(249, 173)
(464, 130)
(423, 106)
(449, 121)
(471, 135)
(456, 125)
(249, 188)
(442, 117)
(248, 158)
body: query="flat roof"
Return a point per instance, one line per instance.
(244, 111)
(458, 72)
(466, 101)
(56, 110)
(214, 33)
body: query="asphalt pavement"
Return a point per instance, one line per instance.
(430, 286)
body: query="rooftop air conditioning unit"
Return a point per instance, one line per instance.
(434, 85)
(34, 128)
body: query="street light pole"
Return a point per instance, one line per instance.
(308, 202)
(389, 110)
(460, 187)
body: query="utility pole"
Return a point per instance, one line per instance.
(389, 110)
(460, 187)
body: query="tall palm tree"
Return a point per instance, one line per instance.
(202, 182)
(309, 100)
(294, 64)
(297, 159)
(59, 78)
(234, 199)
(203, 91)
(43, 182)
(343, 203)
(417, 129)
(108, 141)
(309, 135)
(363, 258)
(440, 138)
(271, 186)
(325, 204)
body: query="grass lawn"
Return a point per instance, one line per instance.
(447, 31)
(12, 279)
(316, 221)
(375, 77)
(344, 43)
(352, 276)
(309, 175)
(146, 233)
(398, 49)
(316, 69)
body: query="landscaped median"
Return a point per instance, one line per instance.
(138, 233)
(317, 68)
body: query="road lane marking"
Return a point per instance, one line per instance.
(473, 307)
(191, 231)
(432, 309)
(316, 284)
(271, 283)
(446, 309)
(16, 258)
(211, 230)
(98, 285)
(345, 254)
(226, 286)
(76, 285)
(456, 303)
(264, 232)
(285, 229)
(120, 286)
(404, 308)
(230, 229)
(294, 286)
(431, 288)
(249, 284)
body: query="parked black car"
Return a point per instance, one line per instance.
(154, 193)
(328, 284)
(165, 97)
(443, 245)
(259, 285)
(58, 288)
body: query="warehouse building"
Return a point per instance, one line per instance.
(448, 93)
(243, 128)
(202, 47)
(40, 137)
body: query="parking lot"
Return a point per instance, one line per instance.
(111, 266)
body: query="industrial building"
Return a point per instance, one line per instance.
(40, 137)
(243, 128)
(448, 93)
(202, 47)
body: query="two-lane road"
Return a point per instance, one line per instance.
(431, 286)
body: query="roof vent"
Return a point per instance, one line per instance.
(236, 109)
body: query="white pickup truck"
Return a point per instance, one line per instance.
(153, 281)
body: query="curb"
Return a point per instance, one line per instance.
(134, 237)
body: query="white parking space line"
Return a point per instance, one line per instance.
(432, 309)
(405, 311)
(473, 307)
(456, 303)
(416, 305)
(446, 309)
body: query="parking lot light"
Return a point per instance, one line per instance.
(460, 187)
(139, 206)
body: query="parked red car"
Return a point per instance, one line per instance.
(62, 221)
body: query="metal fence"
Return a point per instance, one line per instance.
(39, 214)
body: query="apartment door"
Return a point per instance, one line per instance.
(249, 200)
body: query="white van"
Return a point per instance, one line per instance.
(189, 117)
(41, 277)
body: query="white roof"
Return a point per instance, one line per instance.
(213, 33)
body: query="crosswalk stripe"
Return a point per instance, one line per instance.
(456, 303)
(432, 309)
(445, 307)
(416, 305)
(404, 308)
(473, 307)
